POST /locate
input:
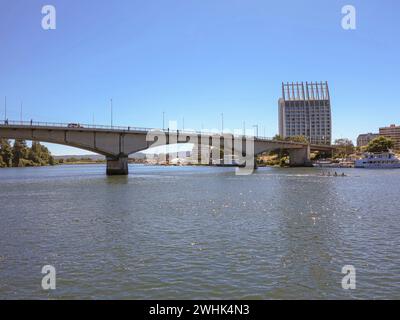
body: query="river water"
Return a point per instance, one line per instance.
(199, 233)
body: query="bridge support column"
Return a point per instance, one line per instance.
(300, 157)
(117, 166)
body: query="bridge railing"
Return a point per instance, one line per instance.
(123, 128)
(70, 125)
(129, 128)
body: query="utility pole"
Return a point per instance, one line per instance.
(244, 128)
(5, 108)
(21, 113)
(183, 123)
(111, 113)
(222, 122)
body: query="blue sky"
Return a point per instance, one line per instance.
(196, 59)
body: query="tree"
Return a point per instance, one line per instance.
(6, 152)
(278, 137)
(301, 139)
(35, 153)
(380, 144)
(44, 154)
(40, 155)
(20, 153)
(344, 147)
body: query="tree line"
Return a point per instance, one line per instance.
(345, 147)
(20, 155)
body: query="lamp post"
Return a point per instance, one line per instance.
(111, 105)
(5, 108)
(256, 126)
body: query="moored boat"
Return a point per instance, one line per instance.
(382, 160)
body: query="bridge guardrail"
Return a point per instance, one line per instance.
(68, 125)
(125, 128)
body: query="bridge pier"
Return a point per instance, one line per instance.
(300, 157)
(117, 166)
(255, 163)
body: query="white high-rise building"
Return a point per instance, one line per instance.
(305, 110)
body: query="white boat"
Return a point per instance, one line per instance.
(383, 160)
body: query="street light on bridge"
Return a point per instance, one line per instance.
(256, 126)
(111, 102)
(5, 108)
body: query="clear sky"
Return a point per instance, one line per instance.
(196, 59)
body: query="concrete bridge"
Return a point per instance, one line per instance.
(117, 143)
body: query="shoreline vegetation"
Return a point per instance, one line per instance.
(20, 155)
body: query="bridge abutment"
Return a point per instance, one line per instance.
(117, 166)
(300, 157)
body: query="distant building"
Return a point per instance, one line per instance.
(305, 110)
(365, 138)
(392, 132)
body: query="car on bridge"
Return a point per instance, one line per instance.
(74, 125)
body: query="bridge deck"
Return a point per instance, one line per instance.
(139, 130)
